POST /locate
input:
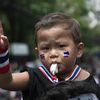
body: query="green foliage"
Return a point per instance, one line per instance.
(20, 16)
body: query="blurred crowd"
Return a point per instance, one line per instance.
(10, 95)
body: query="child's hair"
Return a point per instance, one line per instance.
(60, 19)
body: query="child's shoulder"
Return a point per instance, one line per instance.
(83, 75)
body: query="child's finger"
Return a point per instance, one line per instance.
(5, 39)
(1, 29)
(4, 43)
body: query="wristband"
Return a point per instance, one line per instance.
(3, 50)
(4, 62)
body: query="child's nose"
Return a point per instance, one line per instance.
(54, 54)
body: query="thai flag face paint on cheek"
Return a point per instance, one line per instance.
(42, 56)
(66, 53)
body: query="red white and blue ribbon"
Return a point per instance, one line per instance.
(54, 79)
(74, 73)
(51, 77)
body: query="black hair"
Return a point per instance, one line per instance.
(69, 89)
(53, 19)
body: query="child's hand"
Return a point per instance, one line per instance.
(4, 43)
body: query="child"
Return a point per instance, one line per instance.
(59, 45)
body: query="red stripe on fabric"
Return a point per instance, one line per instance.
(43, 72)
(3, 50)
(5, 69)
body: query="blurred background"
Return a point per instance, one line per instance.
(19, 17)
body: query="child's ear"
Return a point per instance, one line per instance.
(36, 49)
(80, 47)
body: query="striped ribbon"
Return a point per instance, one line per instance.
(48, 74)
(4, 62)
(54, 79)
(74, 73)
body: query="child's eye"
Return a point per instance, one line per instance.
(62, 45)
(45, 48)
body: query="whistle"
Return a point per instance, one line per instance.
(54, 69)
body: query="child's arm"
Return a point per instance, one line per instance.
(8, 80)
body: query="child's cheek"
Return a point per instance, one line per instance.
(42, 56)
(65, 55)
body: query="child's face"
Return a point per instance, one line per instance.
(52, 43)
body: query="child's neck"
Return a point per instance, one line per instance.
(70, 75)
(81, 74)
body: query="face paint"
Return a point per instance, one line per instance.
(42, 56)
(66, 53)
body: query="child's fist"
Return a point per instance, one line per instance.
(4, 43)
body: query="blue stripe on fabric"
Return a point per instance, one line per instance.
(5, 58)
(47, 71)
(71, 78)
